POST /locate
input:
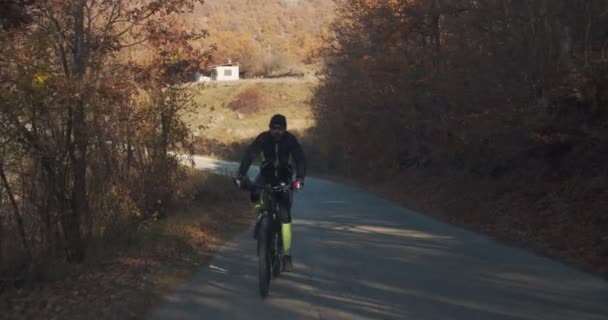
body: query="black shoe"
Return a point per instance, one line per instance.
(287, 265)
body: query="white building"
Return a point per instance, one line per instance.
(226, 72)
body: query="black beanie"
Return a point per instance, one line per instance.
(279, 120)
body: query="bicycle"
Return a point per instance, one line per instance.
(268, 234)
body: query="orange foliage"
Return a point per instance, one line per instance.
(253, 32)
(247, 101)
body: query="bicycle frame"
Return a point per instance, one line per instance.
(270, 240)
(271, 211)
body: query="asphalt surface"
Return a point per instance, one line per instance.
(357, 256)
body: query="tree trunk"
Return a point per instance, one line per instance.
(17, 214)
(79, 205)
(435, 17)
(1, 227)
(129, 146)
(78, 150)
(589, 16)
(46, 218)
(164, 165)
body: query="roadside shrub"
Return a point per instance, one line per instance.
(248, 101)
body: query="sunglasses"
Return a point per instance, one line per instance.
(276, 128)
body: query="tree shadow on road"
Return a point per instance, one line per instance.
(354, 261)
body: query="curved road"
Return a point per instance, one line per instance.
(360, 257)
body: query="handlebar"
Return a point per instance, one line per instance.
(249, 185)
(270, 188)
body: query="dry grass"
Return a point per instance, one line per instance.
(248, 101)
(219, 116)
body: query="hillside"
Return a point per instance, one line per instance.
(231, 114)
(265, 36)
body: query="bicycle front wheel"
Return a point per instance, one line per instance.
(264, 258)
(277, 255)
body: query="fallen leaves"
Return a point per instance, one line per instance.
(124, 285)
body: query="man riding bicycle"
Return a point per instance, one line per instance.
(276, 145)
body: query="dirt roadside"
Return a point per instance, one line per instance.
(125, 283)
(561, 227)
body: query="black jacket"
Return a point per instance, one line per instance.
(275, 156)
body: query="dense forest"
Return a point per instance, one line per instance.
(470, 83)
(266, 37)
(511, 95)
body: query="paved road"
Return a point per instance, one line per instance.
(360, 257)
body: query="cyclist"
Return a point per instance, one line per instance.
(276, 146)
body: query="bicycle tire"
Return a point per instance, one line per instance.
(264, 259)
(277, 256)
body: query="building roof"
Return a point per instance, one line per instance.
(228, 64)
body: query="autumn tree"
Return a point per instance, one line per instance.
(497, 107)
(266, 37)
(90, 97)
(438, 76)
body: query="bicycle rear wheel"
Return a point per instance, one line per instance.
(264, 258)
